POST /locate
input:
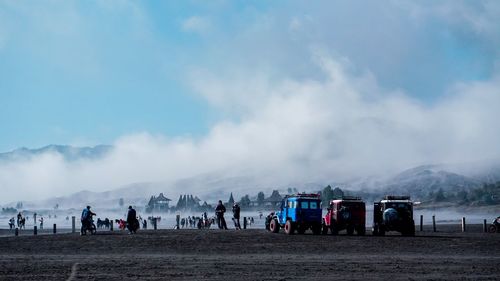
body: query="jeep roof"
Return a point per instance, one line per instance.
(347, 199)
(396, 199)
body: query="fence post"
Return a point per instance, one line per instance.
(485, 226)
(154, 224)
(177, 221)
(34, 218)
(54, 229)
(434, 223)
(463, 224)
(111, 225)
(421, 222)
(16, 232)
(73, 224)
(244, 222)
(35, 230)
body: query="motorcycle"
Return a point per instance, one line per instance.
(495, 226)
(89, 225)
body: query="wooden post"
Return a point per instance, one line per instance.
(54, 229)
(111, 225)
(434, 223)
(463, 224)
(244, 222)
(145, 224)
(421, 222)
(154, 224)
(485, 226)
(16, 232)
(34, 218)
(35, 231)
(73, 224)
(177, 221)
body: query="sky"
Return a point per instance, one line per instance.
(317, 90)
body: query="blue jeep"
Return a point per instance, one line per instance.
(298, 212)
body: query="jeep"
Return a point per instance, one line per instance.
(393, 213)
(348, 213)
(298, 212)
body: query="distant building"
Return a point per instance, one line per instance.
(158, 203)
(273, 200)
(337, 193)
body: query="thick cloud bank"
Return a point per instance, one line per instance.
(338, 128)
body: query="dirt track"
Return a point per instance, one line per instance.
(249, 255)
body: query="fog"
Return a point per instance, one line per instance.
(339, 128)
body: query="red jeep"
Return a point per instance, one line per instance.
(347, 213)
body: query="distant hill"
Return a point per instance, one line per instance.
(70, 153)
(420, 182)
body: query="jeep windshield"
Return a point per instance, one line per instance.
(309, 204)
(353, 205)
(398, 206)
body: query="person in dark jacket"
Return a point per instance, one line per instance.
(132, 222)
(236, 216)
(219, 213)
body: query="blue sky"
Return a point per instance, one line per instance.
(85, 72)
(278, 92)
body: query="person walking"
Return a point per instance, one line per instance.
(236, 216)
(219, 213)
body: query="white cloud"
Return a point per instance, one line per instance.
(299, 131)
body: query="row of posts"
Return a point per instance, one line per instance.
(73, 225)
(464, 227)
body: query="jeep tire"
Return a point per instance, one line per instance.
(316, 229)
(274, 226)
(324, 229)
(361, 230)
(350, 230)
(289, 227)
(333, 228)
(301, 230)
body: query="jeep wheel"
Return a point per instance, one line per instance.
(381, 230)
(361, 230)
(324, 229)
(492, 228)
(274, 226)
(316, 229)
(350, 230)
(333, 229)
(289, 229)
(301, 230)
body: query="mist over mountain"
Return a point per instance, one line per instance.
(418, 182)
(69, 153)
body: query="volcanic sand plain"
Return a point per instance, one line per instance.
(190, 254)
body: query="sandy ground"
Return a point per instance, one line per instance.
(251, 255)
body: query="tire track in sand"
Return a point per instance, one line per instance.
(72, 276)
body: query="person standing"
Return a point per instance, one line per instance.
(219, 213)
(19, 217)
(132, 222)
(236, 216)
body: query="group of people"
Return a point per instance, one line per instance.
(219, 214)
(132, 223)
(21, 221)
